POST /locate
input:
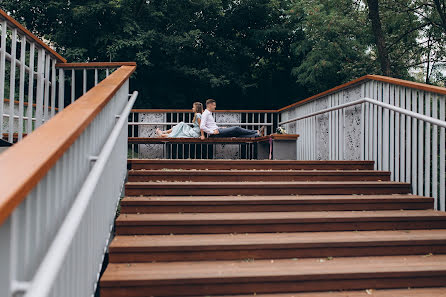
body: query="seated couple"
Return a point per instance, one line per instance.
(204, 122)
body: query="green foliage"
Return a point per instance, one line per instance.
(335, 47)
(243, 53)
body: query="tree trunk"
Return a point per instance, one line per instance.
(383, 55)
(441, 13)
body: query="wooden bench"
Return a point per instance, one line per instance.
(274, 146)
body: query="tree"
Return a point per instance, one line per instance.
(243, 53)
(235, 51)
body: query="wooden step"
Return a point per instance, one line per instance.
(200, 204)
(158, 248)
(265, 276)
(152, 164)
(203, 223)
(257, 175)
(264, 188)
(409, 292)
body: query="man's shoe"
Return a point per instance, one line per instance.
(262, 131)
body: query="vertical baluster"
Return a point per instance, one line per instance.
(370, 121)
(73, 85)
(12, 84)
(2, 72)
(84, 81)
(132, 134)
(402, 121)
(330, 135)
(29, 110)
(339, 127)
(414, 99)
(420, 144)
(40, 87)
(46, 77)
(427, 148)
(435, 152)
(22, 85)
(61, 98)
(53, 87)
(313, 123)
(396, 135)
(307, 133)
(314, 133)
(365, 119)
(261, 122)
(95, 76)
(376, 89)
(363, 125)
(408, 143)
(107, 72)
(442, 196)
(381, 133)
(335, 129)
(342, 127)
(385, 143)
(391, 132)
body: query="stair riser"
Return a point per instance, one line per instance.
(268, 208)
(211, 166)
(165, 190)
(351, 282)
(266, 228)
(277, 253)
(253, 178)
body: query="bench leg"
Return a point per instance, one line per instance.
(284, 150)
(263, 150)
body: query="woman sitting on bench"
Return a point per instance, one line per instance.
(183, 130)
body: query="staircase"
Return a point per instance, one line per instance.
(273, 228)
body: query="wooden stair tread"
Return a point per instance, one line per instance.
(410, 292)
(247, 164)
(217, 161)
(272, 270)
(284, 199)
(331, 184)
(255, 172)
(274, 217)
(147, 243)
(242, 175)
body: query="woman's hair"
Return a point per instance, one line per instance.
(198, 109)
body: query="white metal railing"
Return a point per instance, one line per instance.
(82, 234)
(143, 123)
(37, 81)
(35, 78)
(53, 243)
(78, 78)
(401, 128)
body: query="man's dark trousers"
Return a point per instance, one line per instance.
(236, 132)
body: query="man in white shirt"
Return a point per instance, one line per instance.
(209, 126)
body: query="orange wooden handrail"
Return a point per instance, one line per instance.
(391, 80)
(39, 151)
(95, 64)
(32, 36)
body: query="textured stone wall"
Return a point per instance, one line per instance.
(150, 151)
